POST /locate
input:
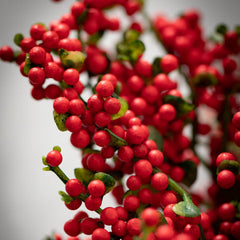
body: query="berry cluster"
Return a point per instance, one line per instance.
(131, 129)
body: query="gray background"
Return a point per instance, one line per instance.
(30, 206)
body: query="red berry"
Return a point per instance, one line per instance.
(155, 157)
(95, 103)
(36, 76)
(100, 234)
(76, 107)
(112, 105)
(61, 105)
(139, 106)
(102, 138)
(164, 232)
(133, 183)
(159, 181)
(93, 203)
(88, 225)
(37, 30)
(96, 188)
(104, 88)
(52, 91)
(109, 216)
(37, 55)
(227, 212)
(150, 216)
(134, 226)
(125, 153)
(224, 156)
(119, 228)
(74, 187)
(167, 112)
(73, 123)
(73, 205)
(72, 227)
(143, 168)
(169, 63)
(50, 40)
(102, 119)
(54, 158)
(71, 76)
(80, 139)
(235, 230)
(96, 162)
(225, 179)
(131, 203)
(6, 53)
(236, 120)
(135, 83)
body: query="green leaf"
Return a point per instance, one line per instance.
(116, 141)
(123, 109)
(182, 106)
(155, 135)
(44, 161)
(18, 38)
(108, 180)
(156, 66)
(60, 120)
(71, 59)
(231, 165)
(46, 169)
(83, 175)
(27, 65)
(65, 197)
(205, 80)
(94, 38)
(131, 35)
(222, 29)
(186, 209)
(136, 48)
(190, 170)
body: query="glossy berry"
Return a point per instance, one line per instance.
(226, 212)
(61, 105)
(134, 226)
(119, 228)
(96, 188)
(72, 227)
(226, 179)
(36, 76)
(37, 55)
(167, 112)
(159, 181)
(73, 123)
(143, 168)
(74, 187)
(109, 216)
(54, 158)
(150, 216)
(6, 53)
(104, 88)
(80, 139)
(93, 203)
(71, 76)
(224, 156)
(112, 105)
(131, 203)
(169, 63)
(102, 138)
(100, 234)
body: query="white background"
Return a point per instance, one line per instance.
(30, 207)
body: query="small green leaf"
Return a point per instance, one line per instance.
(83, 175)
(131, 35)
(123, 109)
(231, 165)
(156, 66)
(71, 59)
(222, 29)
(94, 38)
(186, 209)
(182, 106)
(27, 65)
(18, 38)
(205, 80)
(65, 197)
(190, 172)
(46, 169)
(116, 141)
(60, 120)
(44, 160)
(57, 148)
(108, 180)
(136, 48)
(156, 136)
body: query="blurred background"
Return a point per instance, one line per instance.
(30, 207)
